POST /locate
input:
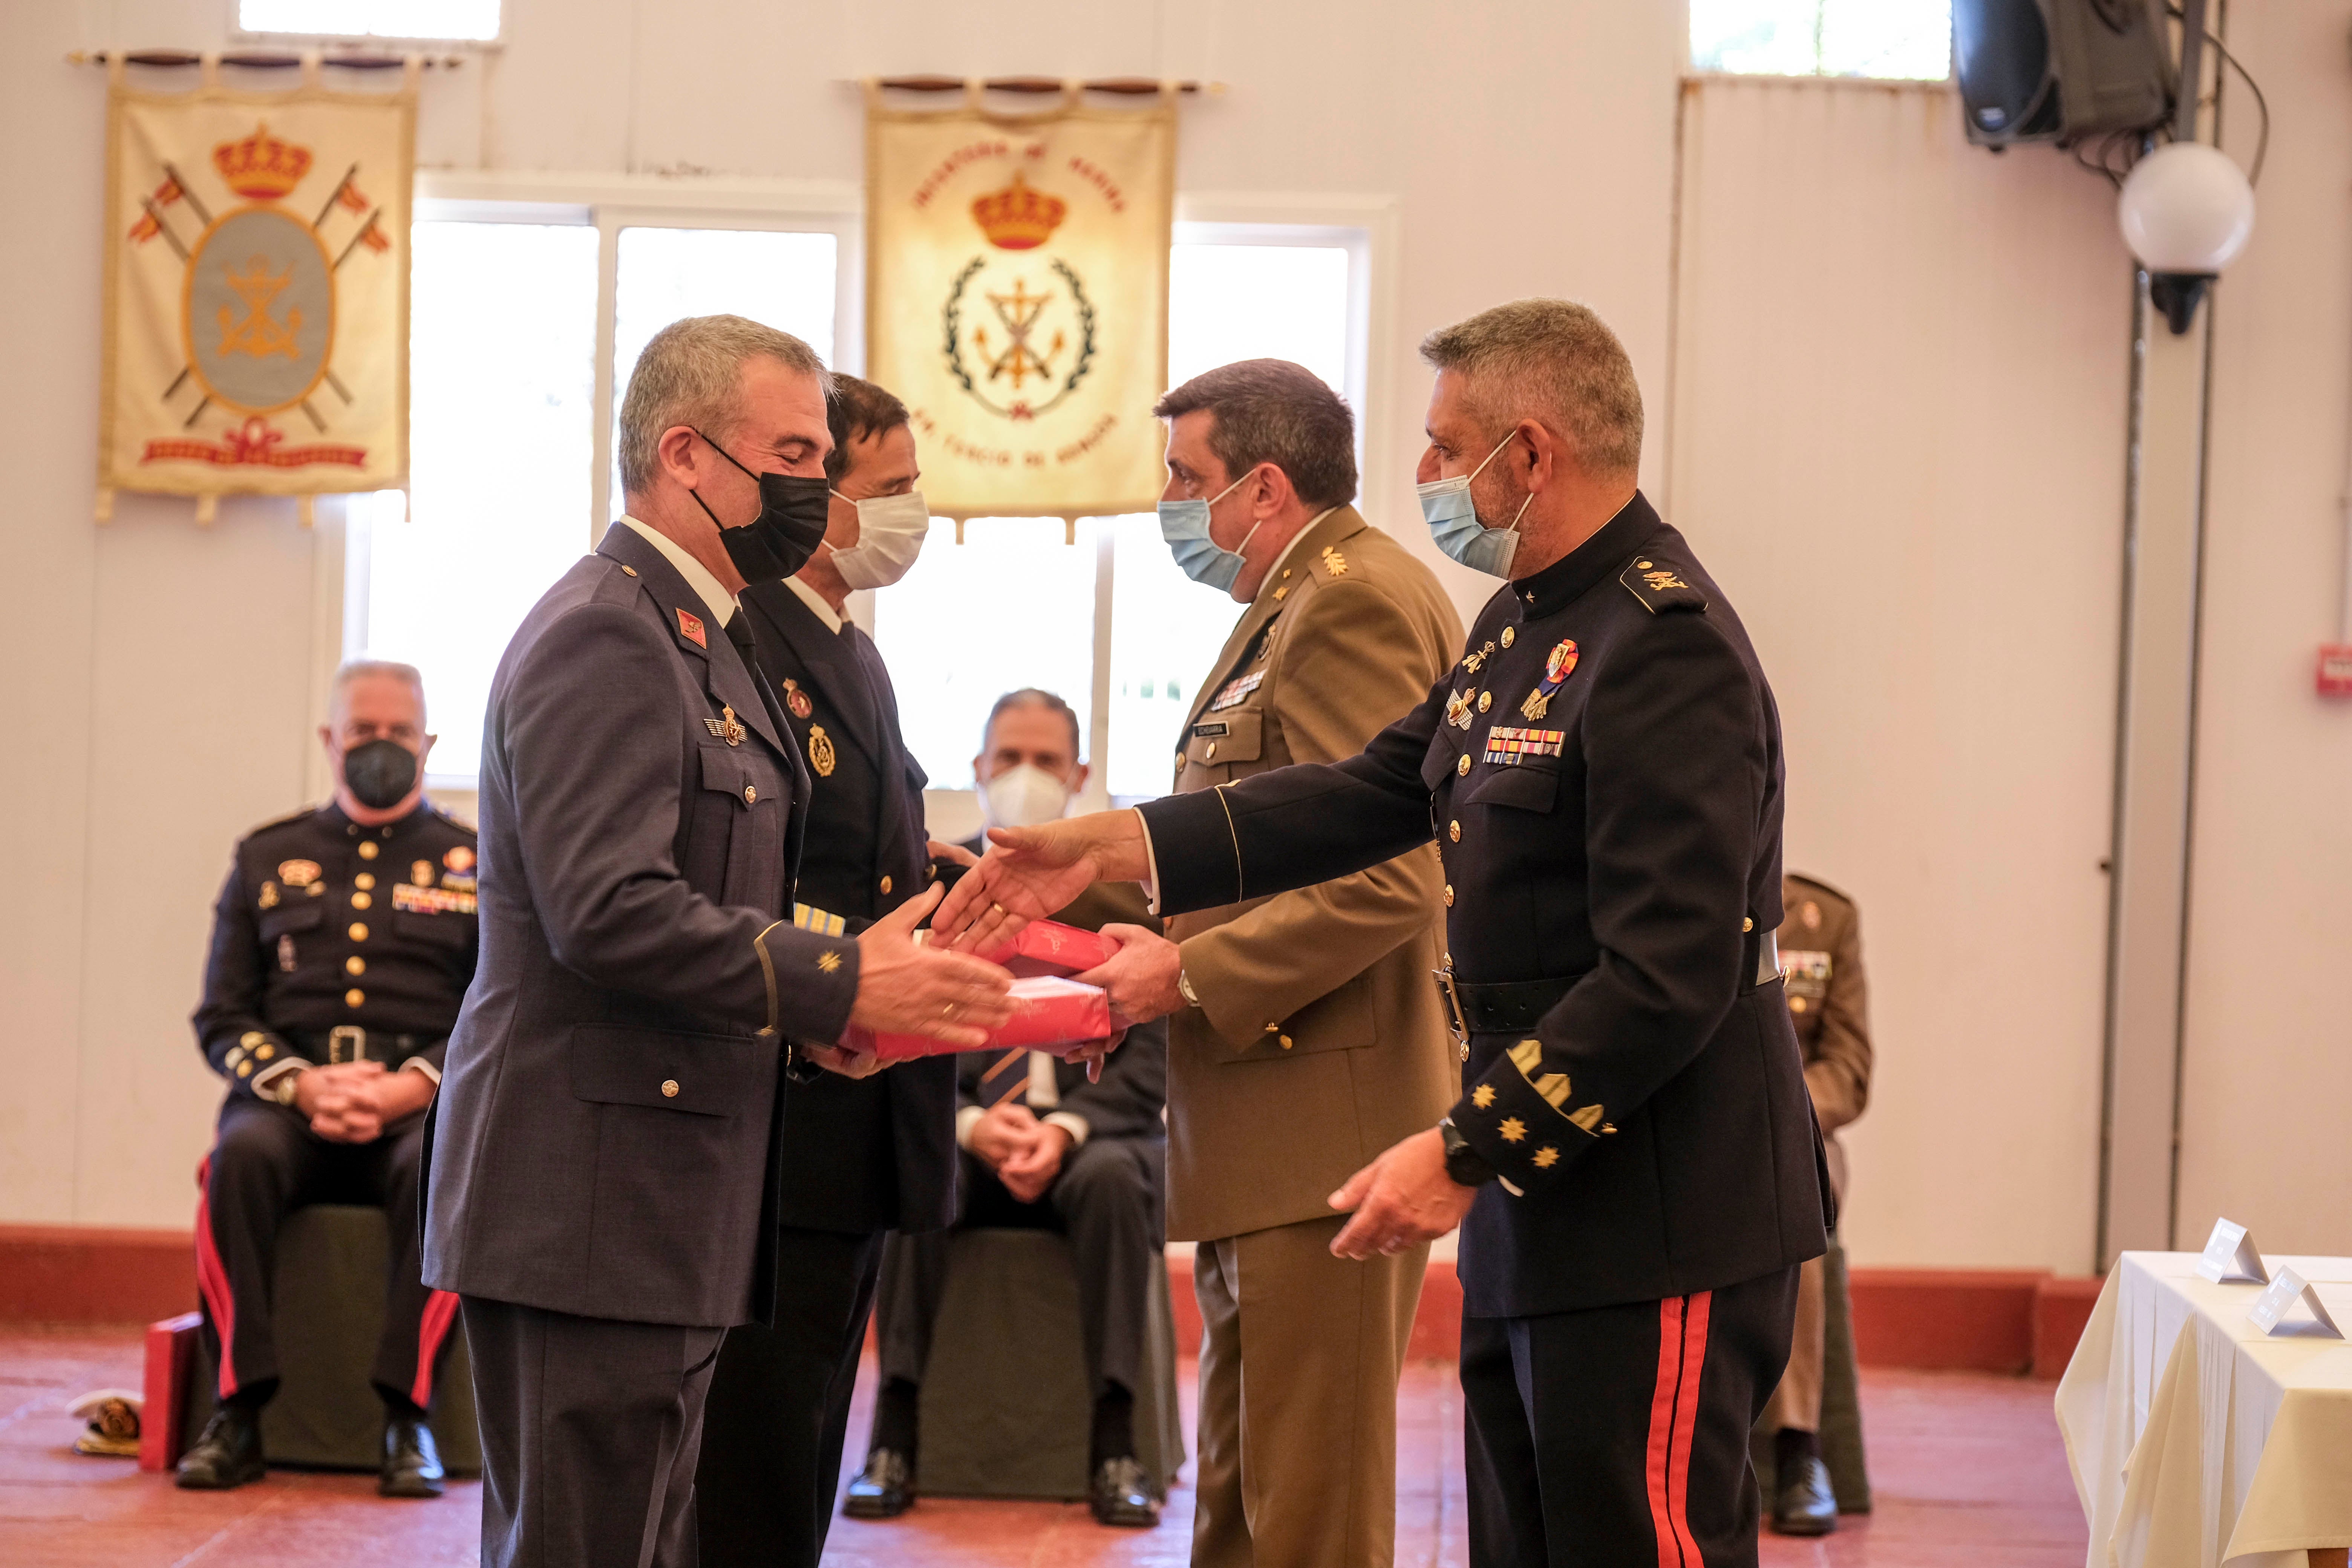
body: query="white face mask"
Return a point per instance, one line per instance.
(1023, 795)
(890, 535)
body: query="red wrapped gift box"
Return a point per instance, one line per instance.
(1049, 947)
(1049, 1014)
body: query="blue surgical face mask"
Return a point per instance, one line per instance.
(1184, 524)
(1452, 520)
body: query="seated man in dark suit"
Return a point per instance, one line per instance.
(342, 945)
(1042, 1147)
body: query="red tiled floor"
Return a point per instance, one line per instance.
(1967, 1469)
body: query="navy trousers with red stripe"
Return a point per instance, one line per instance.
(1617, 1436)
(267, 1162)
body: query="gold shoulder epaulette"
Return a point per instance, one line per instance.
(1660, 587)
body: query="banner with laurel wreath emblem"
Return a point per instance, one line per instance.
(1016, 298)
(256, 290)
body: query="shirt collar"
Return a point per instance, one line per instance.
(721, 603)
(817, 606)
(1274, 567)
(1570, 577)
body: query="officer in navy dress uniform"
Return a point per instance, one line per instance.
(1634, 1160)
(342, 945)
(859, 1157)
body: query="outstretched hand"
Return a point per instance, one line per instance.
(909, 988)
(1400, 1200)
(1030, 872)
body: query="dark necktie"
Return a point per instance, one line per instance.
(1007, 1077)
(739, 632)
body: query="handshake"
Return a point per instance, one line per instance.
(917, 996)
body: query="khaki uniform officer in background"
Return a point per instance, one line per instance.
(1305, 1036)
(1829, 1002)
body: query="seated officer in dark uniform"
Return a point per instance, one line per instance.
(860, 1157)
(1043, 1148)
(343, 945)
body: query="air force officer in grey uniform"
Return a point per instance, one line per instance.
(602, 1166)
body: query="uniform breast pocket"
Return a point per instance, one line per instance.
(293, 919)
(738, 856)
(1531, 785)
(1442, 759)
(442, 931)
(1220, 740)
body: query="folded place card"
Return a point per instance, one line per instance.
(2270, 1308)
(2229, 1256)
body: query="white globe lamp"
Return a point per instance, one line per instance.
(2185, 212)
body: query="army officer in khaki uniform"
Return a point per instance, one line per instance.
(1829, 1002)
(1305, 1036)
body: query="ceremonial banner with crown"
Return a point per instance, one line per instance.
(256, 290)
(1016, 298)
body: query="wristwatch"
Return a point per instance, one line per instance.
(1463, 1165)
(1184, 988)
(283, 1090)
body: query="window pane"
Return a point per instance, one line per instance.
(783, 280)
(1166, 630)
(1228, 302)
(376, 18)
(1012, 606)
(502, 349)
(1911, 39)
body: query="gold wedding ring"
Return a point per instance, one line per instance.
(948, 1011)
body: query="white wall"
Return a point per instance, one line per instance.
(1894, 415)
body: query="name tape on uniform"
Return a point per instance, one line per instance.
(1508, 747)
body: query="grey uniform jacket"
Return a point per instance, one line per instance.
(604, 1143)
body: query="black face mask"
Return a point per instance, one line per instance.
(380, 773)
(791, 525)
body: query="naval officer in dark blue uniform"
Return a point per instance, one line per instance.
(1633, 1161)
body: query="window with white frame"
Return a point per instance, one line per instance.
(466, 20)
(511, 437)
(1899, 40)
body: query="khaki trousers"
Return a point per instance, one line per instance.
(1797, 1402)
(1299, 1379)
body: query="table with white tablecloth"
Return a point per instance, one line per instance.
(2196, 1440)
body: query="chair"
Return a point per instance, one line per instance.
(1842, 1444)
(1005, 1407)
(328, 1296)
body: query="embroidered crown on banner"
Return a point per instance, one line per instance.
(261, 167)
(1018, 219)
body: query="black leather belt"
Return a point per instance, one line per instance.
(350, 1043)
(1513, 1007)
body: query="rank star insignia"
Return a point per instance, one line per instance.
(1547, 1157)
(727, 727)
(822, 756)
(1512, 1129)
(828, 962)
(1483, 1096)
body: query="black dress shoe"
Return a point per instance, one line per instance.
(227, 1455)
(412, 1463)
(1806, 1505)
(884, 1489)
(1121, 1496)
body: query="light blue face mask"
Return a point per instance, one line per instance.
(1184, 524)
(1453, 522)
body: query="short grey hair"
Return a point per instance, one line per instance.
(389, 670)
(1271, 411)
(1553, 361)
(691, 373)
